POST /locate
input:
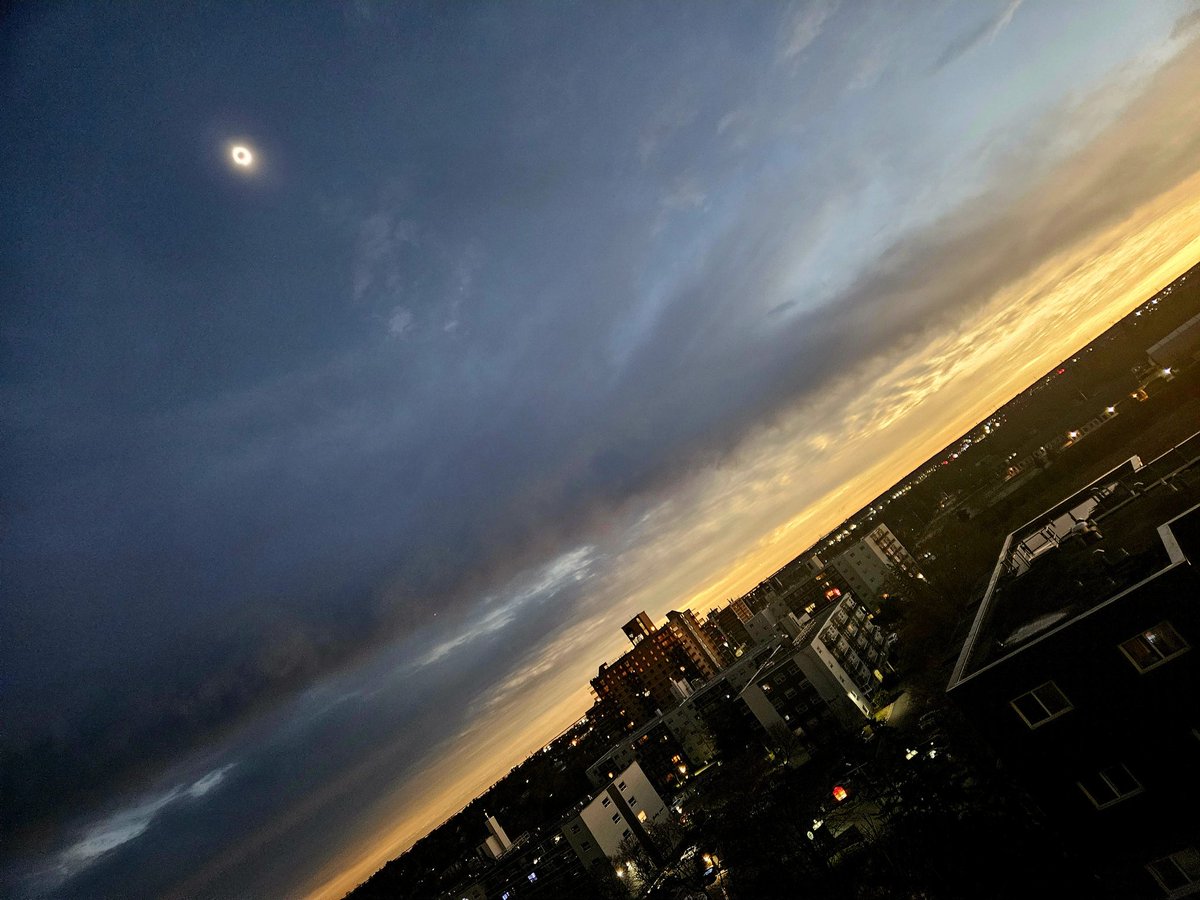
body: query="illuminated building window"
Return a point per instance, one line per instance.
(1110, 786)
(1041, 705)
(1179, 873)
(1154, 647)
(642, 815)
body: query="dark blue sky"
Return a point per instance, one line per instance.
(505, 285)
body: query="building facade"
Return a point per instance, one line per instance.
(616, 824)
(839, 656)
(642, 683)
(1080, 671)
(872, 561)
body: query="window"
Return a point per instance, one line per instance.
(1154, 647)
(586, 845)
(616, 817)
(574, 829)
(606, 802)
(621, 786)
(1041, 705)
(633, 801)
(1109, 786)
(1179, 873)
(626, 833)
(641, 817)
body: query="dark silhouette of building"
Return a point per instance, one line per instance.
(1080, 671)
(656, 673)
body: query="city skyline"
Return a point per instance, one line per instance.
(355, 450)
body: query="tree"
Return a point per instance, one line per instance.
(787, 742)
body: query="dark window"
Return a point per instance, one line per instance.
(1177, 870)
(1042, 704)
(1109, 786)
(616, 817)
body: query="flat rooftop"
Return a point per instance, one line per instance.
(1086, 550)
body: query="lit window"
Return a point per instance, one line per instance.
(1178, 872)
(641, 816)
(1154, 647)
(1041, 705)
(1109, 786)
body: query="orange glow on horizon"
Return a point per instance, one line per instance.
(1022, 331)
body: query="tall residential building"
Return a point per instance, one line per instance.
(871, 561)
(610, 827)
(675, 744)
(726, 626)
(839, 657)
(1079, 671)
(648, 678)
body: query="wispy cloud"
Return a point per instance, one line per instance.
(981, 36)
(496, 612)
(120, 828)
(401, 322)
(804, 25)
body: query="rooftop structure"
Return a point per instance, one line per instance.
(1086, 550)
(1078, 671)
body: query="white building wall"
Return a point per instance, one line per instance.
(761, 707)
(598, 830)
